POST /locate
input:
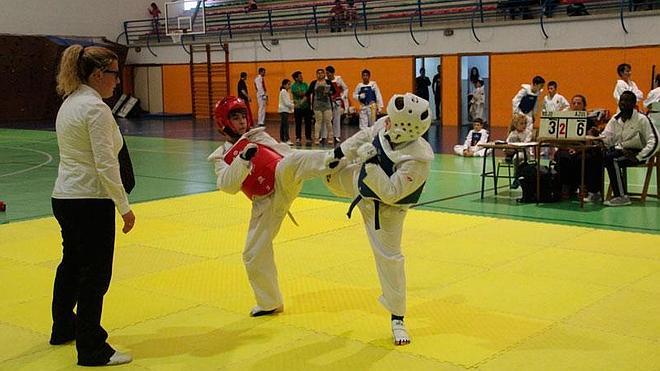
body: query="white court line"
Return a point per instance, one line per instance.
(48, 161)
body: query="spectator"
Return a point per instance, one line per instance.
(351, 13)
(625, 83)
(475, 137)
(554, 101)
(631, 139)
(337, 17)
(517, 134)
(422, 84)
(371, 102)
(478, 101)
(243, 93)
(262, 96)
(320, 94)
(436, 86)
(339, 101)
(653, 97)
(154, 11)
(250, 6)
(285, 106)
(525, 100)
(301, 109)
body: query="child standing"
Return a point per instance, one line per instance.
(525, 100)
(554, 101)
(285, 106)
(478, 101)
(478, 135)
(371, 102)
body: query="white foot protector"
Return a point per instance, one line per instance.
(400, 333)
(259, 311)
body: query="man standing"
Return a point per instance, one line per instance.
(436, 86)
(371, 102)
(262, 96)
(301, 109)
(243, 93)
(339, 100)
(422, 84)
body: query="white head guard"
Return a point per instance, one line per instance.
(409, 117)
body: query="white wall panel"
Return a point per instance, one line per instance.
(70, 17)
(573, 34)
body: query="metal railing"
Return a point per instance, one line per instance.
(227, 23)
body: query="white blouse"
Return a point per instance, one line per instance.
(89, 141)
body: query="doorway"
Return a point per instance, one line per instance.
(475, 92)
(429, 83)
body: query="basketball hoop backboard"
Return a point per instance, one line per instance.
(184, 17)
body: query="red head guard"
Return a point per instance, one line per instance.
(222, 110)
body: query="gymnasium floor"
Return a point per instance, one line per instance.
(493, 284)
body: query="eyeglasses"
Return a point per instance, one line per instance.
(116, 73)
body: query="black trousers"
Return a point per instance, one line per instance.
(284, 126)
(616, 164)
(300, 115)
(83, 276)
(569, 165)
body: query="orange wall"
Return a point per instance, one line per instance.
(588, 72)
(450, 89)
(177, 97)
(393, 75)
(591, 73)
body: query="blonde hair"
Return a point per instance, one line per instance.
(515, 119)
(78, 63)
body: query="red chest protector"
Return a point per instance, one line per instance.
(261, 180)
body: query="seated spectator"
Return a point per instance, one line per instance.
(517, 134)
(351, 13)
(653, 97)
(478, 135)
(576, 10)
(631, 139)
(337, 17)
(250, 6)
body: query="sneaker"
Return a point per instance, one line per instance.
(298, 141)
(618, 201)
(337, 140)
(119, 358)
(289, 142)
(593, 197)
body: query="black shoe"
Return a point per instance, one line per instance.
(61, 339)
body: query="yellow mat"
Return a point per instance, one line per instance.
(484, 293)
